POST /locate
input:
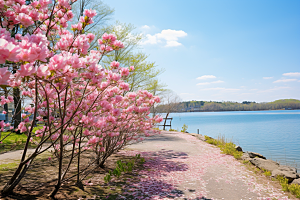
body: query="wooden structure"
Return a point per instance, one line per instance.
(165, 121)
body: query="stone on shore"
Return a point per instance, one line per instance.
(261, 163)
(246, 156)
(254, 155)
(239, 148)
(296, 181)
(287, 172)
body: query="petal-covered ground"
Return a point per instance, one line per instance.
(179, 166)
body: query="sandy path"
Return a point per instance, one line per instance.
(13, 156)
(180, 166)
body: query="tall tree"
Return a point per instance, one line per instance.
(145, 73)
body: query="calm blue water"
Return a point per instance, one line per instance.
(274, 134)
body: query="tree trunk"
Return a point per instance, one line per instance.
(17, 106)
(166, 121)
(15, 179)
(54, 192)
(57, 186)
(5, 105)
(101, 164)
(78, 161)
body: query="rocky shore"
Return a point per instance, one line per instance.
(261, 162)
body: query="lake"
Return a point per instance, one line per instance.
(273, 133)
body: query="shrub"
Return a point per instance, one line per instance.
(80, 103)
(226, 147)
(267, 173)
(184, 128)
(229, 148)
(123, 167)
(293, 188)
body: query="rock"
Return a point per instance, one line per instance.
(238, 148)
(201, 137)
(254, 155)
(245, 156)
(296, 181)
(269, 165)
(290, 173)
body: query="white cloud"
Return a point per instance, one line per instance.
(145, 27)
(170, 37)
(207, 83)
(219, 81)
(292, 74)
(150, 39)
(273, 89)
(267, 77)
(172, 44)
(246, 93)
(204, 77)
(222, 89)
(284, 80)
(279, 88)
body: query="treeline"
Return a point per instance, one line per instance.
(202, 106)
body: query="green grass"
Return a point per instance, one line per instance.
(267, 173)
(8, 166)
(227, 147)
(14, 141)
(292, 188)
(13, 138)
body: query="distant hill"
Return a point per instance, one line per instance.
(202, 106)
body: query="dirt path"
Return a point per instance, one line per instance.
(13, 156)
(180, 166)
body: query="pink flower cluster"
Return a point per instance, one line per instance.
(76, 98)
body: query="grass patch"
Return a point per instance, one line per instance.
(15, 141)
(246, 161)
(292, 188)
(12, 142)
(8, 166)
(124, 167)
(13, 138)
(227, 147)
(40, 179)
(173, 130)
(266, 172)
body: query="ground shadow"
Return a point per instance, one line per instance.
(142, 183)
(156, 168)
(164, 137)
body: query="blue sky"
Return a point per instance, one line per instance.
(220, 50)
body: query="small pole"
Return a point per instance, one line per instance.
(198, 131)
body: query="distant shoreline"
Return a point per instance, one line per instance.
(228, 110)
(215, 106)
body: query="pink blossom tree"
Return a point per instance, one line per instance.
(81, 104)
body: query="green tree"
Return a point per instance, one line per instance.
(145, 73)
